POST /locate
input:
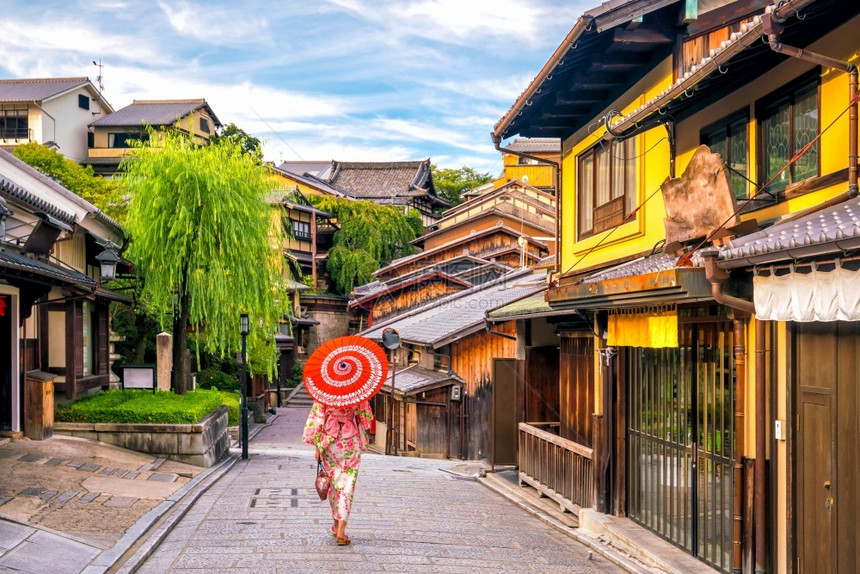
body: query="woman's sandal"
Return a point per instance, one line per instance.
(343, 541)
(333, 531)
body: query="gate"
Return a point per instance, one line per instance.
(680, 439)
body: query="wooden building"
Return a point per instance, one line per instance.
(449, 335)
(702, 297)
(54, 320)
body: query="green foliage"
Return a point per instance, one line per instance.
(452, 183)
(208, 243)
(239, 137)
(231, 399)
(370, 235)
(296, 374)
(216, 379)
(103, 193)
(141, 406)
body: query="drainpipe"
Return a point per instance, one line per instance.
(717, 277)
(740, 394)
(772, 25)
(759, 491)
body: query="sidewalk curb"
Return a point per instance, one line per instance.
(605, 551)
(182, 499)
(149, 546)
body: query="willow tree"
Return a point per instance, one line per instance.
(208, 245)
(370, 235)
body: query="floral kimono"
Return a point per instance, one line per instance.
(341, 436)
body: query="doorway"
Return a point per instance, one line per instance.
(828, 448)
(680, 439)
(7, 364)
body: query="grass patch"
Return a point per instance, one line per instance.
(142, 406)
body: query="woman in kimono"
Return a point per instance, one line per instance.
(339, 435)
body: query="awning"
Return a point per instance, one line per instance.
(15, 265)
(415, 379)
(531, 307)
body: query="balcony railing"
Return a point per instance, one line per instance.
(558, 468)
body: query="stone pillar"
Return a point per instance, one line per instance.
(112, 357)
(163, 361)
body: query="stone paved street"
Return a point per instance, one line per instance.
(409, 516)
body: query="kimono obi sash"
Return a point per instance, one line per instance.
(340, 424)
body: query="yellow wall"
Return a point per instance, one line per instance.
(537, 175)
(646, 228)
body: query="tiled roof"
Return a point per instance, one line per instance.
(12, 262)
(391, 182)
(317, 168)
(39, 89)
(311, 181)
(455, 316)
(532, 306)
(831, 230)
(459, 241)
(535, 145)
(377, 288)
(49, 208)
(10, 187)
(154, 113)
(641, 266)
(414, 379)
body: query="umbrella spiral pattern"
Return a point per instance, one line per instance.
(345, 371)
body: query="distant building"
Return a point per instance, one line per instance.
(111, 136)
(54, 112)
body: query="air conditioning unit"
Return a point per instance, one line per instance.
(456, 392)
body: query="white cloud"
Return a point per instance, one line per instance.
(215, 24)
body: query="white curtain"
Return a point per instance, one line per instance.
(805, 297)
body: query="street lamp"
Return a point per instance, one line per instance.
(391, 341)
(108, 260)
(244, 329)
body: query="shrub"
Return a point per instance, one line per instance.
(231, 399)
(296, 375)
(219, 380)
(141, 406)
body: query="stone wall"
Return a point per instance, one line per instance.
(201, 444)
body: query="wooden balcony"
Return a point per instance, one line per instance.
(556, 467)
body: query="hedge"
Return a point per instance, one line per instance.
(142, 406)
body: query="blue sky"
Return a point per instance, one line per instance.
(353, 80)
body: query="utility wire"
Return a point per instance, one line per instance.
(277, 134)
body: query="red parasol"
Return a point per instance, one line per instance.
(345, 371)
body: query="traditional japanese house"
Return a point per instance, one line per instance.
(54, 320)
(531, 161)
(702, 141)
(449, 335)
(111, 135)
(516, 205)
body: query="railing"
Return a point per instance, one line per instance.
(558, 468)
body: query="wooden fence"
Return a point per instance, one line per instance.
(558, 468)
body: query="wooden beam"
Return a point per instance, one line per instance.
(640, 36)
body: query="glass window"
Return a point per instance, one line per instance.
(301, 229)
(787, 126)
(83, 102)
(13, 124)
(123, 139)
(204, 125)
(607, 185)
(729, 138)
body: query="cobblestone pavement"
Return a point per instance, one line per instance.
(408, 516)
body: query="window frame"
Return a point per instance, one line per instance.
(767, 106)
(624, 199)
(725, 123)
(126, 136)
(300, 235)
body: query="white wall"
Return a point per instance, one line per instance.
(70, 128)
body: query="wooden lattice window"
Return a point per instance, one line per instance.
(606, 185)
